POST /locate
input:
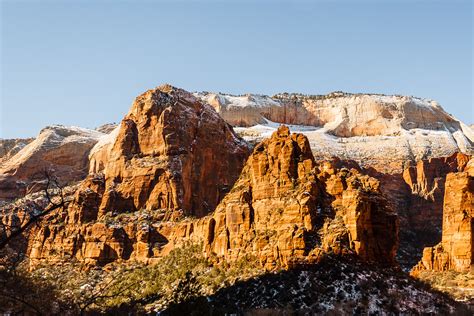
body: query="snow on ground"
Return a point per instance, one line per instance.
(335, 286)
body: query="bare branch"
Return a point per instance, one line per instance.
(35, 212)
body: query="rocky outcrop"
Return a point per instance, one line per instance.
(376, 131)
(172, 157)
(107, 128)
(171, 152)
(148, 164)
(9, 147)
(455, 252)
(284, 209)
(418, 195)
(59, 150)
(100, 153)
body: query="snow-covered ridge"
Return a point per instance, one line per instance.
(380, 131)
(105, 140)
(261, 100)
(59, 150)
(53, 136)
(385, 153)
(242, 101)
(341, 114)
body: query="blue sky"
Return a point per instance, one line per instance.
(83, 62)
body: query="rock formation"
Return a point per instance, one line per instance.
(455, 252)
(418, 195)
(409, 144)
(284, 209)
(60, 150)
(106, 128)
(171, 152)
(9, 147)
(172, 155)
(382, 132)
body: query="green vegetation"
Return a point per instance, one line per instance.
(181, 276)
(456, 284)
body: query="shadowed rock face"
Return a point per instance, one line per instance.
(455, 252)
(418, 194)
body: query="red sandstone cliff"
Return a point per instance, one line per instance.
(171, 153)
(172, 156)
(284, 209)
(455, 252)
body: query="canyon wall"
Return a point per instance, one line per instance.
(284, 209)
(455, 252)
(174, 172)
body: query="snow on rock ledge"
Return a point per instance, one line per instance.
(377, 131)
(61, 150)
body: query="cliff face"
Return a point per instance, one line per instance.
(172, 157)
(346, 115)
(376, 131)
(9, 147)
(171, 152)
(62, 151)
(455, 252)
(409, 144)
(418, 195)
(284, 209)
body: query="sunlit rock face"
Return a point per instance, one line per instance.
(9, 147)
(409, 144)
(61, 151)
(378, 131)
(285, 209)
(455, 252)
(172, 156)
(170, 152)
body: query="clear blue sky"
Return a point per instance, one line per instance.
(83, 62)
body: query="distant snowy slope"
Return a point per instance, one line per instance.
(60, 150)
(381, 131)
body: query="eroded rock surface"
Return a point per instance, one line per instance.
(376, 131)
(284, 209)
(418, 194)
(9, 147)
(455, 252)
(59, 150)
(172, 156)
(170, 152)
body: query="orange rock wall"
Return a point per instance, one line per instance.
(455, 252)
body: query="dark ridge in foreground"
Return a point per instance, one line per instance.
(335, 286)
